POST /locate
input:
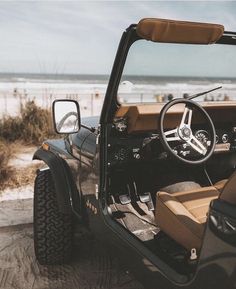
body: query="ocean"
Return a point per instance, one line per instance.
(16, 89)
(89, 90)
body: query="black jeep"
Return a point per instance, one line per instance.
(155, 173)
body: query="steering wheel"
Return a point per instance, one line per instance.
(183, 135)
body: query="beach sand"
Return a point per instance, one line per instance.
(94, 264)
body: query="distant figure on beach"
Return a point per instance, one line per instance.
(167, 97)
(209, 98)
(185, 95)
(97, 94)
(170, 96)
(158, 97)
(15, 92)
(226, 97)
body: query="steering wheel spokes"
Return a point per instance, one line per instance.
(197, 145)
(184, 135)
(172, 132)
(187, 117)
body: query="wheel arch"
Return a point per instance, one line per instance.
(66, 190)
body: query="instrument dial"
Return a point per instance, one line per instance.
(203, 137)
(225, 138)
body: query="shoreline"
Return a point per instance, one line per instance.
(90, 92)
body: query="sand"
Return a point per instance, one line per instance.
(94, 265)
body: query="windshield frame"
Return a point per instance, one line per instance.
(130, 36)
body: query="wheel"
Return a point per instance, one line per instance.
(52, 229)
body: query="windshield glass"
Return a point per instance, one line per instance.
(159, 72)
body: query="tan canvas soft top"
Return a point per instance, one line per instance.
(173, 31)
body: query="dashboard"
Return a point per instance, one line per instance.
(143, 117)
(124, 148)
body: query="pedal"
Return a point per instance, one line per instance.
(146, 198)
(124, 199)
(150, 206)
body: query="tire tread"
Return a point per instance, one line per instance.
(52, 229)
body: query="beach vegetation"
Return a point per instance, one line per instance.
(5, 171)
(32, 126)
(11, 175)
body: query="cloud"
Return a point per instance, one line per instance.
(82, 37)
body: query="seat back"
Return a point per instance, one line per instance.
(228, 192)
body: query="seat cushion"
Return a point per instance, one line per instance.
(181, 187)
(182, 215)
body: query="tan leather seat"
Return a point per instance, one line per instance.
(220, 185)
(228, 193)
(182, 215)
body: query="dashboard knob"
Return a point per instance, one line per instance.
(137, 156)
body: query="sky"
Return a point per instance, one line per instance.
(81, 37)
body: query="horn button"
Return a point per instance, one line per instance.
(185, 133)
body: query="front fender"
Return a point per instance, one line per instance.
(61, 174)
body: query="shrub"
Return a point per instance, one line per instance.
(36, 123)
(5, 153)
(32, 126)
(10, 128)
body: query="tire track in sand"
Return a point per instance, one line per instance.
(94, 265)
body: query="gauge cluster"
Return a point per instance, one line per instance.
(186, 151)
(222, 136)
(225, 141)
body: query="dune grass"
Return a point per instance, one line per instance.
(5, 170)
(31, 127)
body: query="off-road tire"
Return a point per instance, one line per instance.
(52, 229)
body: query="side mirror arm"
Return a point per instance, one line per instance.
(92, 129)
